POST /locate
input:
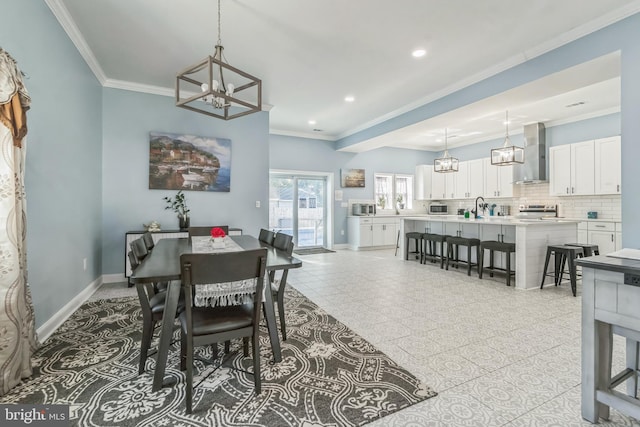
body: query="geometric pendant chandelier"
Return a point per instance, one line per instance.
(446, 163)
(217, 89)
(507, 154)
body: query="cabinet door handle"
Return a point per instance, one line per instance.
(498, 236)
(599, 226)
(612, 237)
(618, 188)
(371, 227)
(567, 190)
(572, 190)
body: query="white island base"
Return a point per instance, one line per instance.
(531, 239)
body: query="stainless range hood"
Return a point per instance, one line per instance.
(534, 168)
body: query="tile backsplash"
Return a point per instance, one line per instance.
(608, 206)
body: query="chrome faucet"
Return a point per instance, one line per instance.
(483, 205)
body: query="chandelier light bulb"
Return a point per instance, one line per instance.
(214, 85)
(230, 88)
(204, 87)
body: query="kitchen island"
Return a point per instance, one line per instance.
(531, 236)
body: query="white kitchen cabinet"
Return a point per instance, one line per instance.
(424, 176)
(583, 232)
(438, 186)
(572, 169)
(603, 234)
(370, 232)
(384, 231)
(608, 165)
(460, 229)
(450, 184)
(469, 180)
(498, 180)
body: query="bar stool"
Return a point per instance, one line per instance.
(417, 237)
(569, 253)
(588, 249)
(452, 250)
(493, 246)
(431, 241)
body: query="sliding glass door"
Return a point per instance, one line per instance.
(297, 206)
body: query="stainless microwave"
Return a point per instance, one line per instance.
(438, 209)
(360, 209)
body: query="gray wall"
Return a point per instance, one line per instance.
(64, 159)
(127, 201)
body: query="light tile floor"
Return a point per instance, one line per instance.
(497, 356)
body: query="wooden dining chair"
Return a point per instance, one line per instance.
(152, 305)
(206, 231)
(283, 242)
(266, 236)
(148, 241)
(207, 325)
(139, 249)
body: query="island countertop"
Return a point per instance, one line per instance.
(531, 237)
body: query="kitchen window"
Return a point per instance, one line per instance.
(390, 187)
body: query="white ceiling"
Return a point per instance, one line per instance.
(311, 54)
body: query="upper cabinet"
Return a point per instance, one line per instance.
(608, 165)
(585, 168)
(470, 180)
(571, 169)
(498, 180)
(423, 182)
(438, 185)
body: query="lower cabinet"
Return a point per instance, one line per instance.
(607, 235)
(369, 232)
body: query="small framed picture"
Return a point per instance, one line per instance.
(352, 177)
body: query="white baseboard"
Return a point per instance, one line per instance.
(50, 326)
(113, 278)
(341, 246)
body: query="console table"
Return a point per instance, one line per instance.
(610, 305)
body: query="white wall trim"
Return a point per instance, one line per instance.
(341, 246)
(55, 321)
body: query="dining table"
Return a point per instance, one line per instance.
(162, 264)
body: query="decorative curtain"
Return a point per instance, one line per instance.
(17, 330)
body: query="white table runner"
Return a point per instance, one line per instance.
(221, 294)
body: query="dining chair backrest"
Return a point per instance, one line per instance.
(139, 249)
(206, 231)
(283, 242)
(148, 240)
(133, 260)
(266, 236)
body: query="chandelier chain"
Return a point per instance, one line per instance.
(219, 25)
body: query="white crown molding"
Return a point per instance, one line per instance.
(305, 135)
(139, 87)
(565, 38)
(64, 18)
(586, 116)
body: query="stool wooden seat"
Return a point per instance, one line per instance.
(430, 248)
(417, 237)
(561, 253)
(493, 246)
(454, 242)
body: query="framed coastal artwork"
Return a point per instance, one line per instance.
(352, 177)
(189, 162)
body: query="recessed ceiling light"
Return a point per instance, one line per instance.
(419, 53)
(439, 140)
(312, 122)
(349, 98)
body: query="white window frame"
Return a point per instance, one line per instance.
(392, 194)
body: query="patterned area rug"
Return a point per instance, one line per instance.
(329, 376)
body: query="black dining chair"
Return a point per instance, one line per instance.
(206, 231)
(139, 249)
(148, 241)
(283, 242)
(266, 236)
(207, 325)
(152, 305)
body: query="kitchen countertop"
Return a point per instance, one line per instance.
(497, 220)
(604, 262)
